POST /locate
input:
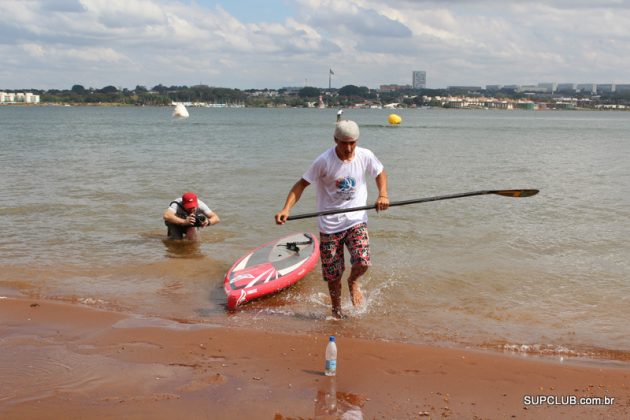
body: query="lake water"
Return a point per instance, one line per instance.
(83, 190)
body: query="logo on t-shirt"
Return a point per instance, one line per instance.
(346, 187)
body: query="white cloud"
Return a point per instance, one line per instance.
(62, 6)
(34, 50)
(125, 13)
(353, 18)
(367, 42)
(100, 55)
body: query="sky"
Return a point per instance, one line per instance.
(246, 44)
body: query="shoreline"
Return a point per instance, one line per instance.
(285, 106)
(66, 360)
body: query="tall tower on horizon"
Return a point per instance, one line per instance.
(419, 79)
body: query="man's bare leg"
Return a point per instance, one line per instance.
(334, 288)
(353, 283)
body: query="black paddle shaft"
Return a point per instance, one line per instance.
(505, 193)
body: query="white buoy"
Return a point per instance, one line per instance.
(180, 111)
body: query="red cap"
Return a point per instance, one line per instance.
(189, 200)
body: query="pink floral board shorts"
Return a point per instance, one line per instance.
(331, 245)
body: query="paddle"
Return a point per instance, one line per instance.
(504, 193)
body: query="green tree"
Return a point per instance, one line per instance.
(109, 89)
(309, 92)
(160, 89)
(79, 89)
(352, 90)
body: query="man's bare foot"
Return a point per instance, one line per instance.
(336, 313)
(357, 295)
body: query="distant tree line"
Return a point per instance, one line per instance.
(158, 95)
(345, 96)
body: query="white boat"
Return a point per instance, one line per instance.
(180, 111)
(393, 105)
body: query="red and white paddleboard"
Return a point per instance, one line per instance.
(271, 268)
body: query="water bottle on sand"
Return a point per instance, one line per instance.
(331, 357)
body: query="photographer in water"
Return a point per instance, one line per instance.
(185, 215)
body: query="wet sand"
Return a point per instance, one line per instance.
(67, 361)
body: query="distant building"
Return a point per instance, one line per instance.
(419, 79)
(494, 88)
(532, 89)
(394, 88)
(550, 87)
(586, 88)
(565, 88)
(622, 88)
(606, 88)
(263, 92)
(19, 97)
(525, 105)
(29, 98)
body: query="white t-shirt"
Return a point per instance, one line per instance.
(342, 185)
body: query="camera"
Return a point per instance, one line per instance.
(200, 219)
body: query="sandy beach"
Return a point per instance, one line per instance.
(60, 360)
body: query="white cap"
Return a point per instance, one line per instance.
(347, 131)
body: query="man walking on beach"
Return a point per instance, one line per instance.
(340, 177)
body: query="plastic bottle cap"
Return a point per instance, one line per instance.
(332, 338)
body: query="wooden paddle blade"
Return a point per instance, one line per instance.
(516, 193)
